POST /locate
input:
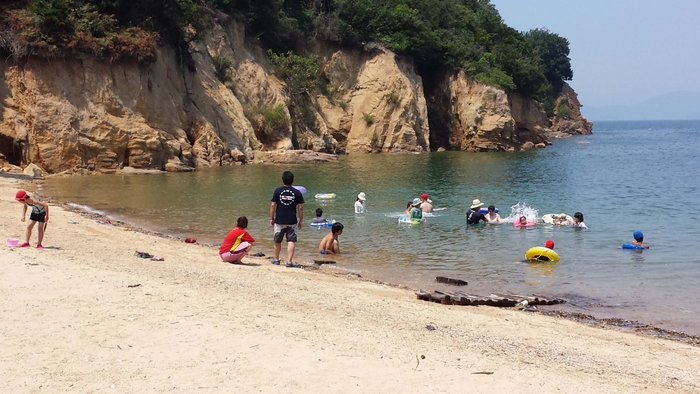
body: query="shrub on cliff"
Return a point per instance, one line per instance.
(299, 72)
(54, 27)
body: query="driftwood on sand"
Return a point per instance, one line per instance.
(501, 300)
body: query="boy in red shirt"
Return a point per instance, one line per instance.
(237, 243)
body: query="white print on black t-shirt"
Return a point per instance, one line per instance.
(286, 197)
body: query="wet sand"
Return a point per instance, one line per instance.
(87, 315)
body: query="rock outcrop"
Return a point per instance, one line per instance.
(472, 116)
(375, 101)
(87, 113)
(567, 118)
(223, 105)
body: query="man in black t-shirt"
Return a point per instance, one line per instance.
(286, 203)
(474, 214)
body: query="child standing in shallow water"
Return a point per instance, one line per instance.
(40, 213)
(578, 220)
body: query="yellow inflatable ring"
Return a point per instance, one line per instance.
(539, 253)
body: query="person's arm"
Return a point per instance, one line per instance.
(300, 210)
(248, 238)
(273, 205)
(24, 210)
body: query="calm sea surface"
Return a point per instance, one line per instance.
(626, 176)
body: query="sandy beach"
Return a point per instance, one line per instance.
(86, 315)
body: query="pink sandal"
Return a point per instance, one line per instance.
(24, 245)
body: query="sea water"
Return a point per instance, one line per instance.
(626, 176)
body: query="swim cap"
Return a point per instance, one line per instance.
(638, 236)
(21, 195)
(549, 244)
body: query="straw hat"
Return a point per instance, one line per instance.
(417, 202)
(361, 196)
(476, 204)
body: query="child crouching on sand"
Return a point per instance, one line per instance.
(330, 244)
(40, 213)
(237, 243)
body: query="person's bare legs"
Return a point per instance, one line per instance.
(290, 251)
(29, 230)
(41, 229)
(278, 249)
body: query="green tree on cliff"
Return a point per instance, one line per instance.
(457, 34)
(553, 51)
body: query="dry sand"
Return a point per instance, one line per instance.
(85, 315)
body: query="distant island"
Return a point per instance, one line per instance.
(678, 105)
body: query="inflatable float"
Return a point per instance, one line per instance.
(325, 196)
(408, 220)
(320, 225)
(539, 253)
(633, 247)
(561, 219)
(527, 224)
(486, 210)
(302, 189)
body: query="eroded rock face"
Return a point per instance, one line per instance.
(375, 102)
(568, 119)
(472, 116)
(87, 113)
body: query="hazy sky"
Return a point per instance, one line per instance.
(622, 51)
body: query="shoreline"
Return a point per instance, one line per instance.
(85, 314)
(625, 325)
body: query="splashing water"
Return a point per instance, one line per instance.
(518, 210)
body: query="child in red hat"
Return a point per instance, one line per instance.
(40, 213)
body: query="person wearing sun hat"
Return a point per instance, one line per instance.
(416, 212)
(360, 206)
(474, 215)
(426, 205)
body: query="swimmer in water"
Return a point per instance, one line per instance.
(639, 239)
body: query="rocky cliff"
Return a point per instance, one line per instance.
(472, 116)
(567, 118)
(89, 114)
